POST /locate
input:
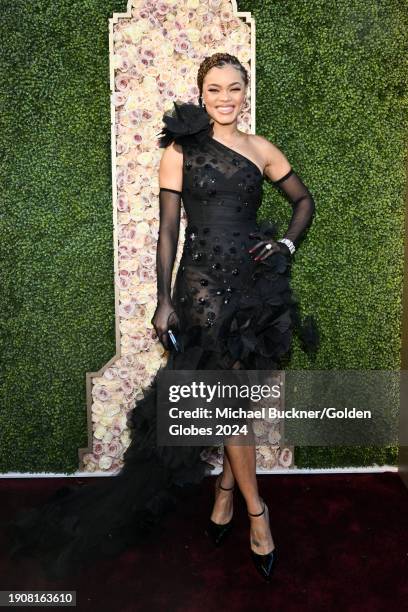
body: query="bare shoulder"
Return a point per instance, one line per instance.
(275, 161)
(171, 167)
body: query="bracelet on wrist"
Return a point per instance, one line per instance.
(289, 244)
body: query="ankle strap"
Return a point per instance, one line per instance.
(259, 513)
(221, 487)
(226, 489)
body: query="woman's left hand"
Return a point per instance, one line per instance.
(263, 253)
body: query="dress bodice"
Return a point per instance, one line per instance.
(220, 185)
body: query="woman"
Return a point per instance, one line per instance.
(231, 307)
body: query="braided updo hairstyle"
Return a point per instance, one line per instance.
(218, 59)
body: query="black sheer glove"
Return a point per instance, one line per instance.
(165, 317)
(303, 207)
(302, 204)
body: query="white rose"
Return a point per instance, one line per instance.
(97, 410)
(125, 438)
(105, 462)
(149, 84)
(99, 432)
(193, 34)
(238, 37)
(105, 422)
(142, 228)
(124, 218)
(274, 436)
(258, 428)
(135, 31)
(137, 213)
(111, 410)
(107, 438)
(90, 466)
(167, 48)
(244, 56)
(145, 158)
(182, 88)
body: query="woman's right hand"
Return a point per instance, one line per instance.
(165, 318)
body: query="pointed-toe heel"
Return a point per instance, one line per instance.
(264, 564)
(216, 531)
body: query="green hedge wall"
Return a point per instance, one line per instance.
(331, 93)
(57, 276)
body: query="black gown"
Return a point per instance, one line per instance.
(230, 310)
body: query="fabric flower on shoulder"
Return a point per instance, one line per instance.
(184, 121)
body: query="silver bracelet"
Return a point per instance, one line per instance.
(289, 244)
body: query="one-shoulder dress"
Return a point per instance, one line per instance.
(231, 310)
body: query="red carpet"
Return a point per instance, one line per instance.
(342, 541)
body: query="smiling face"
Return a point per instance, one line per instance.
(223, 94)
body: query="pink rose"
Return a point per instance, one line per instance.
(121, 149)
(118, 98)
(120, 181)
(146, 275)
(285, 457)
(162, 8)
(111, 373)
(126, 310)
(101, 393)
(139, 366)
(113, 449)
(149, 241)
(123, 283)
(137, 138)
(123, 251)
(127, 360)
(181, 45)
(122, 203)
(121, 82)
(127, 386)
(147, 260)
(207, 36)
(141, 344)
(131, 232)
(141, 310)
(98, 449)
(123, 372)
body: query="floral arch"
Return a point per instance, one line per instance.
(155, 50)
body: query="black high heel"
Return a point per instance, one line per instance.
(264, 563)
(216, 531)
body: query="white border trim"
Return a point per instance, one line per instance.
(378, 469)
